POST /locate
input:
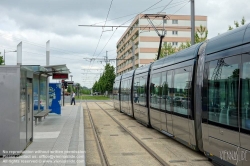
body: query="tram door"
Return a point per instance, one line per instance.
(29, 122)
(166, 115)
(223, 86)
(169, 101)
(245, 110)
(163, 115)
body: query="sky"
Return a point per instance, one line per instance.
(34, 22)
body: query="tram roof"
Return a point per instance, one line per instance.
(143, 69)
(183, 55)
(229, 39)
(128, 74)
(118, 78)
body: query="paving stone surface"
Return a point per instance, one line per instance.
(57, 140)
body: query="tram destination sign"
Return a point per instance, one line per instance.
(64, 76)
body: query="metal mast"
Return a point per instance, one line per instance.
(162, 35)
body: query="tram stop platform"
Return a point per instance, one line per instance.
(57, 140)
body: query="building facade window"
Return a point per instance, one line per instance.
(174, 43)
(175, 32)
(174, 21)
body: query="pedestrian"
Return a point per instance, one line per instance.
(73, 98)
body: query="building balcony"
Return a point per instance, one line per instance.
(128, 66)
(127, 57)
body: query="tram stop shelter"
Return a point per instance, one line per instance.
(23, 93)
(41, 88)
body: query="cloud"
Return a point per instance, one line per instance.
(36, 22)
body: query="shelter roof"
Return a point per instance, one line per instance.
(57, 69)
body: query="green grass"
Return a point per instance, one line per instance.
(88, 97)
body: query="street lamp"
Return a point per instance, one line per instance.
(7, 52)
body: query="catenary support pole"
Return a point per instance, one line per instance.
(159, 51)
(192, 23)
(47, 64)
(133, 54)
(19, 54)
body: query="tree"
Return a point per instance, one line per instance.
(105, 82)
(201, 34)
(184, 46)
(1, 60)
(85, 90)
(167, 49)
(236, 23)
(77, 88)
(69, 89)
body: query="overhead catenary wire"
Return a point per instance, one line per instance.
(160, 12)
(63, 50)
(102, 31)
(33, 53)
(104, 25)
(175, 13)
(125, 23)
(68, 51)
(139, 13)
(42, 46)
(128, 26)
(131, 19)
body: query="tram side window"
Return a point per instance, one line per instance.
(125, 90)
(181, 98)
(136, 90)
(129, 88)
(164, 90)
(223, 83)
(116, 91)
(155, 90)
(142, 95)
(122, 90)
(114, 87)
(169, 92)
(245, 88)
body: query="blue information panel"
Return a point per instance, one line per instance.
(55, 97)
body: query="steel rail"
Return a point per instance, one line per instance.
(101, 151)
(150, 151)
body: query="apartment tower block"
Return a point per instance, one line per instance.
(146, 41)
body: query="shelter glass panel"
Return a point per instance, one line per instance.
(43, 91)
(35, 93)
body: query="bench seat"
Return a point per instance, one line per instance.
(40, 115)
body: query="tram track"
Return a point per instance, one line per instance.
(125, 142)
(176, 154)
(101, 150)
(143, 145)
